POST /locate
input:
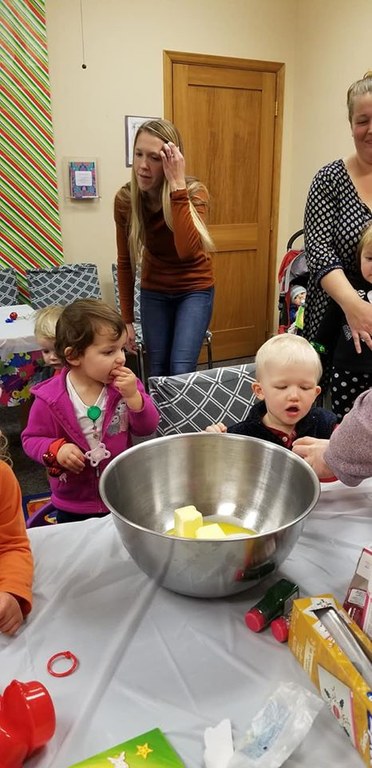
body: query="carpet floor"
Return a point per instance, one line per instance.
(31, 476)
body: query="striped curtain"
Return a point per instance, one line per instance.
(30, 224)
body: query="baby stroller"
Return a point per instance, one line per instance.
(292, 271)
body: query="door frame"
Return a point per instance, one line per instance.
(177, 57)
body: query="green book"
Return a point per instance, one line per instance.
(148, 750)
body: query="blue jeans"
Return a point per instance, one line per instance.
(174, 326)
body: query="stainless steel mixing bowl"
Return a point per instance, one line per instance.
(265, 487)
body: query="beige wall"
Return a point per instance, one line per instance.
(333, 49)
(325, 45)
(124, 43)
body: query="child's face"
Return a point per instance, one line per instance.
(48, 353)
(300, 299)
(102, 357)
(366, 263)
(289, 392)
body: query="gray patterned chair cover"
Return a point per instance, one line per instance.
(8, 287)
(191, 401)
(62, 285)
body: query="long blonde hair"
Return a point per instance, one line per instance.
(130, 195)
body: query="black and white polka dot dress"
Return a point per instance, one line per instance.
(334, 219)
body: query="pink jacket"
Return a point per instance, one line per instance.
(52, 417)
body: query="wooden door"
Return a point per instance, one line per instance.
(227, 112)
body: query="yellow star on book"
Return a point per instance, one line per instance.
(143, 751)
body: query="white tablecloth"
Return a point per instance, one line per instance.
(150, 658)
(19, 335)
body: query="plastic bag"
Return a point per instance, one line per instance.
(277, 729)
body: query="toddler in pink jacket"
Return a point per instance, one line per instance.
(87, 415)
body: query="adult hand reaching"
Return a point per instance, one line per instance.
(359, 318)
(312, 450)
(130, 344)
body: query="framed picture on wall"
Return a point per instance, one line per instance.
(132, 123)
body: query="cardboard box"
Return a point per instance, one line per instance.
(357, 601)
(338, 680)
(151, 746)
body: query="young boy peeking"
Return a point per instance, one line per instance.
(16, 564)
(45, 333)
(287, 373)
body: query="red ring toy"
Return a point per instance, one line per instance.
(62, 655)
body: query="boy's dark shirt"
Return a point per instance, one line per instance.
(317, 423)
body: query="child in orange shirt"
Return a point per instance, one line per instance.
(16, 564)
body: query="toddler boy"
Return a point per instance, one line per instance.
(287, 373)
(45, 334)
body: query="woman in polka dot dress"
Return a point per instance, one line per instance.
(338, 208)
(351, 372)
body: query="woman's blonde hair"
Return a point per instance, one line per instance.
(130, 195)
(287, 349)
(359, 88)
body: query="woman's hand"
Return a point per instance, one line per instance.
(130, 344)
(358, 312)
(312, 450)
(173, 166)
(359, 318)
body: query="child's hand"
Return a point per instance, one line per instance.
(219, 427)
(71, 457)
(126, 382)
(11, 616)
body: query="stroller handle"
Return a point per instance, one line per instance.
(293, 238)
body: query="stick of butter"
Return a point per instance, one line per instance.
(186, 521)
(213, 531)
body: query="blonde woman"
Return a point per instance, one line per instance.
(338, 208)
(160, 225)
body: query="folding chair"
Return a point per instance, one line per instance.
(8, 287)
(190, 402)
(62, 285)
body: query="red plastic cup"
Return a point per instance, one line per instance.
(27, 721)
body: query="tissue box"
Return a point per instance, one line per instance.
(342, 687)
(150, 748)
(356, 600)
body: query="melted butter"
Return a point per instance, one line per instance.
(229, 529)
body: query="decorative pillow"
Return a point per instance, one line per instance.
(8, 287)
(191, 401)
(62, 285)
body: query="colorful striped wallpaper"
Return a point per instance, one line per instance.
(30, 224)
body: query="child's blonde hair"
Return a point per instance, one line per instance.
(365, 241)
(286, 349)
(46, 321)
